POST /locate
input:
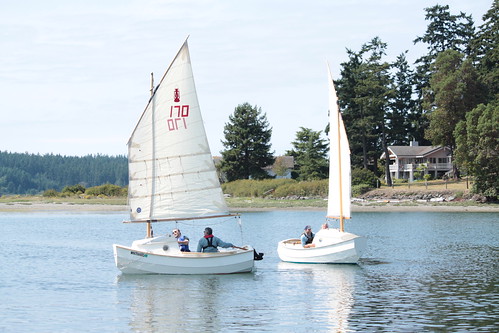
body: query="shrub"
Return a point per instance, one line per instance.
(254, 188)
(75, 189)
(50, 193)
(314, 188)
(109, 190)
(360, 189)
(364, 176)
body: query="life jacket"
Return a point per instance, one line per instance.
(184, 247)
(309, 238)
(210, 242)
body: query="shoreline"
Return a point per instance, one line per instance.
(29, 207)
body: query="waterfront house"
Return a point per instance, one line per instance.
(407, 160)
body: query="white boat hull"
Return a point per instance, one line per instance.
(331, 247)
(161, 255)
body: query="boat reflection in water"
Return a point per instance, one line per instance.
(176, 303)
(327, 289)
(276, 298)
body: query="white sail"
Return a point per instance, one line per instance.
(339, 161)
(171, 169)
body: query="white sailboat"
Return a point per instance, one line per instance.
(331, 245)
(172, 177)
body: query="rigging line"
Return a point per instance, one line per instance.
(239, 222)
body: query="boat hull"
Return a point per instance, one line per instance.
(331, 247)
(143, 260)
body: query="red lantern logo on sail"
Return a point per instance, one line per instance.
(176, 95)
(178, 113)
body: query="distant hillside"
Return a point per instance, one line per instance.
(34, 173)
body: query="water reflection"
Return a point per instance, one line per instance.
(331, 289)
(179, 303)
(282, 295)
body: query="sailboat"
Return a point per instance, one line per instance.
(331, 245)
(172, 177)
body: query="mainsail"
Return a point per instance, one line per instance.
(339, 161)
(171, 171)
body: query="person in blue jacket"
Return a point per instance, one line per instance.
(307, 237)
(183, 241)
(210, 243)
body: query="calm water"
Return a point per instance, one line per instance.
(423, 272)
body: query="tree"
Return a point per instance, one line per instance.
(310, 154)
(366, 92)
(247, 143)
(403, 120)
(456, 90)
(477, 151)
(485, 51)
(445, 31)
(351, 73)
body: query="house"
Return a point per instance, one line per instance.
(282, 167)
(406, 160)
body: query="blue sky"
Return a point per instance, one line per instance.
(75, 75)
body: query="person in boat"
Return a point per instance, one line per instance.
(210, 243)
(325, 226)
(183, 241)
(307, 237)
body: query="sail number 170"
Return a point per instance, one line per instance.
(178, 113)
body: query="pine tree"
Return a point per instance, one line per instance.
(477, 139)
(310, 155)
(456, 91)
(247, 143)
(445, 31)
(485, 51)
(402, 117)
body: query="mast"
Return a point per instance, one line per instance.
(342, 227)
(148, 224)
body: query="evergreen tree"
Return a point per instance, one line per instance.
(310, 155)
(445, 31)
(351, 73)
(477, 139)
(366, 94)
(403, 120)
(456, 90)
(485, 51)
(247, 143)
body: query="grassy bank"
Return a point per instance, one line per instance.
(20, 199)
(399, 195)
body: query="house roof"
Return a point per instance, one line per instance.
(412, 151)
(286, 161)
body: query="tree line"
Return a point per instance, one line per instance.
(448, 97)
(34, 173)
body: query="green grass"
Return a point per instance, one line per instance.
(274, 203)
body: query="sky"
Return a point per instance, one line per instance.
(75, 75)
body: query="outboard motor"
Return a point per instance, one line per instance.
(257, 255)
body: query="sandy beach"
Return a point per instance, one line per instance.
(28, 207)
